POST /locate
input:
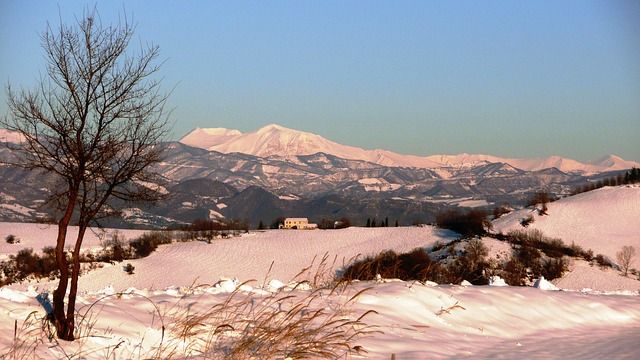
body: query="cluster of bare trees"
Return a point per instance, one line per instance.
(94, 122)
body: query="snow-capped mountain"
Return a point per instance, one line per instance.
(7, 136)
(613, 162)
(278, 141)
(205, 138)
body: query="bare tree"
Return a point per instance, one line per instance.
(94, 122)
(625, 257)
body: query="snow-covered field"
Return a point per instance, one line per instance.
(416, 321)
(603, 220)
(251, 255)
(37, 236)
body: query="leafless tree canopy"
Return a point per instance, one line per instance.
(625, 257)
(94, 121)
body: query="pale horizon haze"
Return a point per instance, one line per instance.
(511, 79)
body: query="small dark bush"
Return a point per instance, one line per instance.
(144, 245)
(588, 255)
(554, 268)
(555, 248)
(11, 239)
(530, 258)
(27, 263)
(471, 223)
(541, 197)
(514, 272)
(526, 221)
(498, 211)
(128, 268)
(603, 261)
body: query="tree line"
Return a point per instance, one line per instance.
(631, 176)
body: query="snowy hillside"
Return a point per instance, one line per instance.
(276, 140)
(413, 320)
(38, 236)
(603, 220)
(250, 256)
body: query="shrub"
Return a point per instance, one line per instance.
(527, 221)
(554, 268)
(476, 251)
(530, 258)
(148, 242)
(473, 222)
(552, 247)
(603, 261)
(11, 239)
(541, 197)
(343, 223)
(471, 265)
(498, 211)
(29, 263)
(415, 265)
(128, 268)
(514, 272)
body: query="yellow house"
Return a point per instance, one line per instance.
(299, 223)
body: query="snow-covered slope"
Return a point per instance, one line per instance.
(276, 140)
(205, 138)
(603, 220)
(412, 321)
(251, 256)
(38, 236)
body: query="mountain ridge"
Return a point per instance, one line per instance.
(274, 140)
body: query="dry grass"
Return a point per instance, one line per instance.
(26, 338)
(282, 324)
(311, 318)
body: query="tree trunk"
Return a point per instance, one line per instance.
(60, 320)
(75, 273)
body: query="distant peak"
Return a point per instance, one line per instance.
(218, 131)
(608, 157)
(274, 127)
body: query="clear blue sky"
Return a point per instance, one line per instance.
(508, 78)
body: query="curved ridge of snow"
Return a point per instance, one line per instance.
(602, 220)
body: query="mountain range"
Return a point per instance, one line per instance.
(275, 171)
(278, 141)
